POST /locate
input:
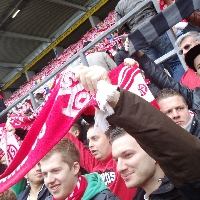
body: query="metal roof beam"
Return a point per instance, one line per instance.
(23, 36)
(10, 65)
(73, 5)
(9, 11)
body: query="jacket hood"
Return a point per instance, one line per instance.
(95, 186)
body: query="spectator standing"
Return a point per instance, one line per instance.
(100, 59)
(161, 45)
(122, 53)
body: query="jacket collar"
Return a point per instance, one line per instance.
(165, 188)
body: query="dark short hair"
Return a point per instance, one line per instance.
(116, 132)
(68, 151)
(39, 96)
(107, 133)
(2, 168)
(76, 126)
(168, 92)
(21, 133)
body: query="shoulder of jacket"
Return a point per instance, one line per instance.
(106, 195)
(23, 193)
(49, 198)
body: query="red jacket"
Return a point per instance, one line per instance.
(106, 169)
(190, 79)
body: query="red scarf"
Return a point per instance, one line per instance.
(79, 190)
(67, 101)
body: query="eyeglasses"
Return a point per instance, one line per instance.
(186, 47)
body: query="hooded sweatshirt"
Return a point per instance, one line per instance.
(95, 186)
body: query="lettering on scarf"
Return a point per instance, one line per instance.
(78, 97)
(108, 177)
(143, 89)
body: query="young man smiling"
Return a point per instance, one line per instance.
(138, 169)
(98, 158)
(60, 168)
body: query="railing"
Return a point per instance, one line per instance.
(81, 54)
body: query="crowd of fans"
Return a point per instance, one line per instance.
(92, 34)
(146, 153)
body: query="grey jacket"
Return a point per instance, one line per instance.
(101, 59)
(141, 17)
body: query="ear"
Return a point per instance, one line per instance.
(76, 133)
(76, 168)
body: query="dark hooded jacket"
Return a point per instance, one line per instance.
(44, 192)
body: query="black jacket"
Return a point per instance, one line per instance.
(120, 56)
(162, 80)
(166, 191)
(105, 195)
(44, 192)
(195, 126)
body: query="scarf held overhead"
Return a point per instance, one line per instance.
(66, 103)
(161, 23)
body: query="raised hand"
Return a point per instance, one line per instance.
(89, 77)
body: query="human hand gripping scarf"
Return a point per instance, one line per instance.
(67, 102)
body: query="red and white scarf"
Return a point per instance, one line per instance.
(79, 190)
(67, 102)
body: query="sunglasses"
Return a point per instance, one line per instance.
(186, 47)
